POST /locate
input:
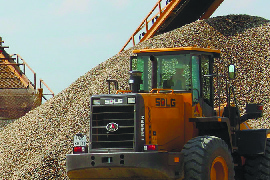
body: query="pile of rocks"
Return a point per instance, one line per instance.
(35, 145)
(8, 78)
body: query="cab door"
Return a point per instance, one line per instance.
(202, 84)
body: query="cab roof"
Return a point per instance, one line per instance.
(216, 52)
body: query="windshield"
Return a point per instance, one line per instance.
(173, 71)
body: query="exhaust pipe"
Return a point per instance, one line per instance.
(154, 72)
(135, 80)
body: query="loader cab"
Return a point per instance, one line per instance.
(183, 70)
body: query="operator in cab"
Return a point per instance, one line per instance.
(178, 80)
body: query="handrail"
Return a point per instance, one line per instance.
(35, 75)
(42, 82)
(18, 58)
(23, 77)
(158, 90)
(145, 22)
(123, 91)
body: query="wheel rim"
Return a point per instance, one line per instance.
(219, 169)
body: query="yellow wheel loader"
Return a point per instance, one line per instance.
(167, 126)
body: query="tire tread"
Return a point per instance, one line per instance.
(196, 150)
(258, 167)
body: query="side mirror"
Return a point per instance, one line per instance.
(254, 111)
(232, 73)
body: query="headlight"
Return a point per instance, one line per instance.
(131, 100)
(96, 101)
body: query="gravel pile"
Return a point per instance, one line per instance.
(8, 78)
(35, 145)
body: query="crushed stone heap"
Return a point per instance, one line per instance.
(34, 146)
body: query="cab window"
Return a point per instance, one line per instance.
(173, 71)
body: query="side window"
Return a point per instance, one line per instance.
(144, 65)
(195, 61)
(206, 80)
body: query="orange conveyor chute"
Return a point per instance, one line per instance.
(167, 15)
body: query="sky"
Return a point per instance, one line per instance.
(63, 39)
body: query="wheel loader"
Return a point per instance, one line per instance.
(172, 124)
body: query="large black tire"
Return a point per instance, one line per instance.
(207, 158)
(258, 167)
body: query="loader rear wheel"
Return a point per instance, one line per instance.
(258, 167)
(207, 158)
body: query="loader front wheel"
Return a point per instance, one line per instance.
(207, 158)
(258, 167)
